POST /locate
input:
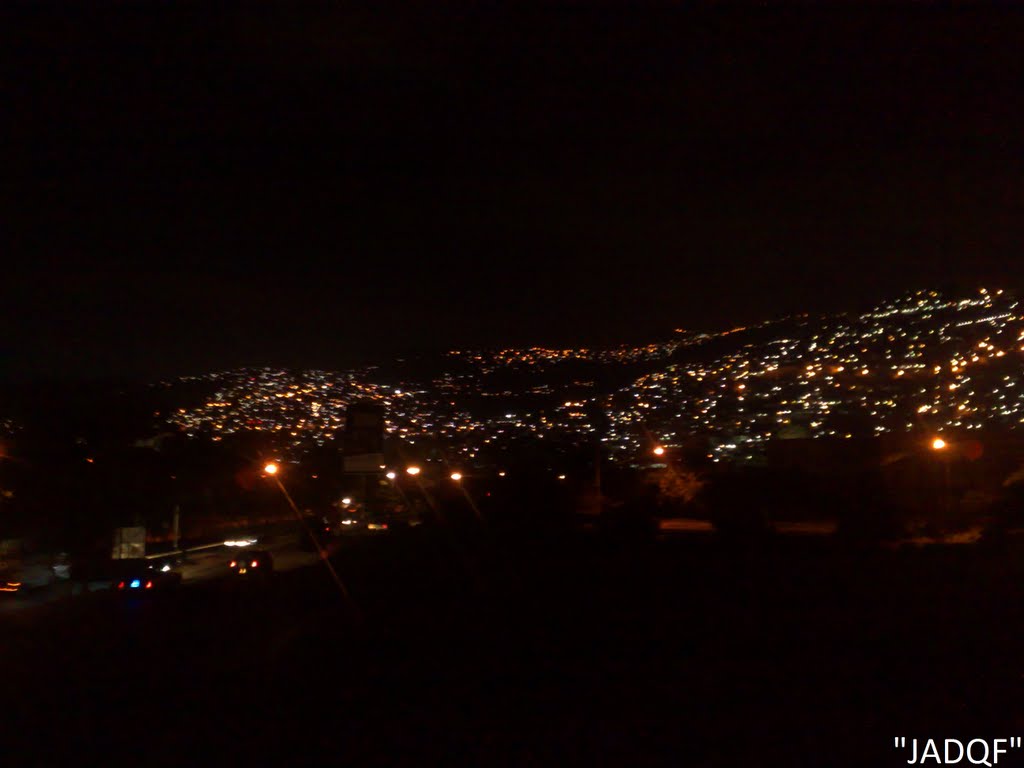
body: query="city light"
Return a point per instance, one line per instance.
(391, 475)
(938, 444)
(270, 468)
(412, 470)
(921, 353)
(346, 501)
(456, 476)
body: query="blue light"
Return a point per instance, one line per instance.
(136, 584)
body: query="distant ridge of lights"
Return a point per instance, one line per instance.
(805, 376)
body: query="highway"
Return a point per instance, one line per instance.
(201, 564)
(213, 563)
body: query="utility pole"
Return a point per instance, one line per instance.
(599, 423)
(949, 492)
(176, 526)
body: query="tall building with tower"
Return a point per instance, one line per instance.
(363, 449)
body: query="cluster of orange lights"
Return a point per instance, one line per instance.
(271, 468)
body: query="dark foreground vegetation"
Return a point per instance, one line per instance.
(534, 649)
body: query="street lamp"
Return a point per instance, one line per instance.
(457, 479)
(938, 444)
(659, 451)
(391, 475)
(413, 470)
(271, 468)
(346, 501)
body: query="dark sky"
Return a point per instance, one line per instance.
(192, 186)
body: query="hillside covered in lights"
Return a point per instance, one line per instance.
(924, 360)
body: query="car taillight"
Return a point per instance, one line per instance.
(121, 585)
(149, 585)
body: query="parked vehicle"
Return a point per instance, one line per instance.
(142, 577)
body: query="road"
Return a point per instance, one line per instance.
(213, 563)
(201, 564)
(537, 650)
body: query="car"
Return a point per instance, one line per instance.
(62, 566)
(142, 577)
(385, 522)
(9, 584)
(251, 564)
(380, 523)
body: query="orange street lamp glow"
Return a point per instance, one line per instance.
(270, 468)
(659, 451)
(413, 470)
(938, 444)
(456, 476)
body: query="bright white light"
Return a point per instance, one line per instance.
(456, 476)
(239, 542)
(346, 501)
(413, 470)
(391, 475)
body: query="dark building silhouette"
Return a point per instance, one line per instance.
(363, 446)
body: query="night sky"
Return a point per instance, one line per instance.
(192, 187)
